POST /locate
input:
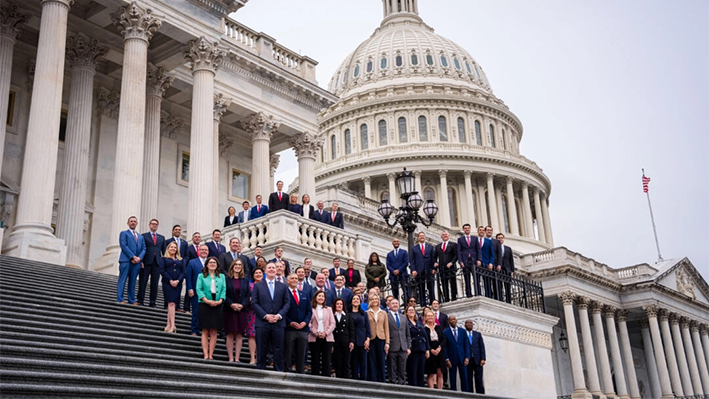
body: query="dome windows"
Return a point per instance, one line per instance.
(461, 130)
(502, 139)
(370, 66)
(423, 129)
(467, 66)
(383, 63)
(442, 128)
(356, 71)
(444, 61)
(478, 134)
(364, 136)
(333, 146)
(476, 71)
(429, 60)
(348, 142)
(456, 63)
(414, 59)
(492, 136)
(402, 130)
(382, 133)
(399, 61)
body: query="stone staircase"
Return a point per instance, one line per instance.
(63, 335)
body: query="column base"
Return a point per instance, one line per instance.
(581, 394)
(108, 262)
(35, 242)
(599, 394)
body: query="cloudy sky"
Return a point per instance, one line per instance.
(603, 89)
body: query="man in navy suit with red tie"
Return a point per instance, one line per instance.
(335, 219)
(397, 264)
(321, 215)
(259, 209)
(422, 269)
(297, 321)
(486, 260)
(468, 256)
(446, 258)
(279, 199)
(150, 269)
(216, 248)
(271, 302)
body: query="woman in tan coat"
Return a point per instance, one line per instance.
(379, 341)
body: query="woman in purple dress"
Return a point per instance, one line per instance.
(251, 317)
(238, 298)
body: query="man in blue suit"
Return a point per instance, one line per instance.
(271, 302)
(297, 321)
(342, 292)
(398, 263)
(259, 209)
(321, 215)
(132, 253)
(192, 272)
(245, 215)
(150, 270)
(192, 253)
(457, 351)
(468, 256)
(421, 257)
(486, 259)
(477, 358)
(335, 218)
(215, 246)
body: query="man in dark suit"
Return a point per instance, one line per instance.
(192, 253)
(279, 199)
(397, 264)
(321, 215)
(150, 269)
(399, 343)
(440, 318)
(216, 248)
(320, 286)
(182, 245)
(468, 256)
(271, 302)
(446, 258)
(486, 260)
(279, 257)
(309, 273)
(258, 252)
(303, 283)
(259, 209)
(132, 252)
(495, 244)
(352, 276)
(336, 269)
(342, 292)
(477, 358)
(245, 215)
(335, 218)
(422, 268)
(234, 252)
(457, 351)
(297, 321)
(192, 272)
(505, 265)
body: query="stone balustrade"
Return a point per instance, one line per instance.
(241, 34)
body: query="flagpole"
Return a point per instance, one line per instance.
(652, 218)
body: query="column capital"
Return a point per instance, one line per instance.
(509, 180)
(157, 80)
(525, 185)
(108, 103)
(609, 311)
(583, 302)
(169, 125)
(135, 22)
(621, 315)
(651, 310)
(65, 3)
(417, 173)
(260, 126)
(11, 21)
(467, 173)
(703, 329)
(674, 318)
(597, 307)
(367, 179)
(442, 173)
(204, 55)
(567, 297)
(274, 161)
(663, 314)
(82, 52)
(225, 143)
(220, 105)
(489, 175)
(391, 175)
(306, 145)
(644, 323)
(694, 325)
(684, 322)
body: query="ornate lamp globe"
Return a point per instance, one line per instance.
(406, 182)
(415, 201)
(430, 209)
(385, 209)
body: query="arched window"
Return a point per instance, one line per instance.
(505, 215)
(382, 132)
(453, 206)
(423, 129)
(369, 66)
(502, 139)
(414, 59)
(444, 61)
(348, 142)
(356, 70)
(442, 128)
(333, 146)
(384, 196)
(364, 136)
(478, 134)
(428, 194)
(429, 59)
(403, 138)
(476, 71)
(492, 136)
(383, 64)
(456, 63)
(461, 130)
(337, 79)
(399, 61)
(467, 66)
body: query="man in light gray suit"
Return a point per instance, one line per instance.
(399, 343)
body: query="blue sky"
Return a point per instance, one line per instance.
(602, 88)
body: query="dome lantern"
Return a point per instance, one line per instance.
(392, 7)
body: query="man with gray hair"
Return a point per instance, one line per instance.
(399, 343)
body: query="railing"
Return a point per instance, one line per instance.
(286, 58)
(628, 272)
(241, 34)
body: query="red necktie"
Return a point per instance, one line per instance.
(155, 239)
(295, 295)
(468, 238)
(423, 251)
(279, 195)
(259, 209)
(444, 247)
(481, 242)
(196, 248)
(333, 217)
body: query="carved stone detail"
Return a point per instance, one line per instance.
(306, 144)
(11, 21)
(567, 297)
(644, 323)
(694, 325)
(674, 318)
(274, 162)
(621, 315)
(609, 311)
(158, 80)
(651, 310)
(220, 105)
(204, 55)
(260, 126)
(169, 125)
(135, 22)
(684, 322)
(31, 64)
(109, 103)
(596, 307)
(663, 314)
(225, 144)
(703, 329)
(514, 333)
(684, 283)
(583, 302)
(83, 52)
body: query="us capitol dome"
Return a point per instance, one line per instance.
(409, 97)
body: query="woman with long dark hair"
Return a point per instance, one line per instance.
(256, 277)
(211, 290)
(344, 339)
(238, 298)
(376, 272)
(420, 348)
(320, 339)
(358, 359)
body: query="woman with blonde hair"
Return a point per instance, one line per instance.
(379, 340)
(437, 340)
(294, 206)
(211, 291)
(172, 270)
(238, 298)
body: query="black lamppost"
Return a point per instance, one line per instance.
(408, 214)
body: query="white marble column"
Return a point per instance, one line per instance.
(650, 362)
(567, 298)
(367, 186)
(11, 22)
(681, 358)
(468, 195)
(704, 333)
(261, 128)
(691, 357)
(393, 198)
(306, 146)
(627, 354)
(500, 211)
(547, 220)
(417, 182)
(620, 384)
(666, 382)
(205, 58)
(538, 216)
(492, 203)
(606, 377)
(527, 208)
(670, 355)
(512, 208)
(594, 384)
(445, 214)
(220, 106)
(82, 56)
(32, 236)
(482, 203)
(699, 353)
(275, 159)
(157, 82)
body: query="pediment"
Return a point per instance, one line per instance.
(684, 278)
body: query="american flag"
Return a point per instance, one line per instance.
(646, 183)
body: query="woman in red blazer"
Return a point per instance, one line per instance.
(320, 338)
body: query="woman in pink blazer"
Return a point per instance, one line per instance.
(320, 338)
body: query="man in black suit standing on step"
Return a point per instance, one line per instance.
(279, 199)
(150, 269)
(446, 258)
(271, 302)
(506, 264)
(335, 218)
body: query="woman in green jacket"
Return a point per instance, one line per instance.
(375, 271)
(211, 291)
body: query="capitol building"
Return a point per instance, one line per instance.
(175, 110)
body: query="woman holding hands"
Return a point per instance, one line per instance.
(172, 270)
(320, 339)
(211, 290)
(238, 297)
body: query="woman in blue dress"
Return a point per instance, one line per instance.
(172, 270)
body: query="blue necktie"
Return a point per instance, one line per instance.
(470, 337)
(270, 288)
(396, 316)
